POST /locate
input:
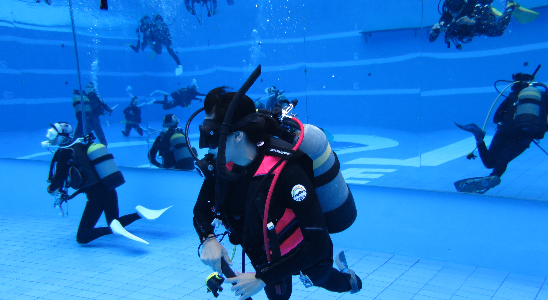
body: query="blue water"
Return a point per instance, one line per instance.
(362, 70)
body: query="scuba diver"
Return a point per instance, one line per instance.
(89, 168)
(461, 20)
(181, 97)
(132, 114)
(282, 212)
(98, 108)
(155, 35)
(162, 37)
(269, 102)
(210, 5)
(521, 120)
(171, 147)
(144, 30)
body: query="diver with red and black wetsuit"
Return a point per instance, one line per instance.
(301, 243)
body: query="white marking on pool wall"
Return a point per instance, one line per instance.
(429, 159)
(371, 142)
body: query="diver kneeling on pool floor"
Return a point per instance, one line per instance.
(266, 197)
(89, 168)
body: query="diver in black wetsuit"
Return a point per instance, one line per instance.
(461, 20)
(171, 147)
(181, 97)
(211, 6)
(71, 166)
(162, 37)
(304, 249)
(132, 113)
(144, 30)
(98, 108)
(521, 119)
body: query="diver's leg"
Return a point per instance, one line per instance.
(503, 21)
(136, 48)
(92, 212)
(96, 125)
(489, 156)
(172, 53)
(112, 211)
(79, 132)
(513, 149)
(272, 291)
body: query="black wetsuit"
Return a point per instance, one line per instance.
(181, 97)
(508, 142)
(145, 26)
(161, 36)
(132, 114)
(242, 213)
(98, 108)
(99, 198)
(485, 22)
(162, 147)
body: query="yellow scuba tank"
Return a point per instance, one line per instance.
(183, 158)
(76, 103)
(334, 194)
(527, 117)
(103, 162)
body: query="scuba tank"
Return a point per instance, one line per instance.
(106, 168)
(335, 197)
(81, 172)
(180, 151)
(528, 111)
(76, 103)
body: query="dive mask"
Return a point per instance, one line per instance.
(210, 133)
(52, 138)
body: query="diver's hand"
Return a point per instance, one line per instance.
(245, 284)
(50, 192)
(212, 254)
(465, 21)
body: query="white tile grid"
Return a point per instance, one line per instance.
(48, 264)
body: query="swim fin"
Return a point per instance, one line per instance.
(152, 55)
(179, 70)
(117, 228)
(524, 15)
(477, 185)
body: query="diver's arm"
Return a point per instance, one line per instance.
(203, 209)
(316, 240)
(153, 151)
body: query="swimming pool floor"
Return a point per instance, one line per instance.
(40, 259)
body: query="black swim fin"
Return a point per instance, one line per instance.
(477, 185)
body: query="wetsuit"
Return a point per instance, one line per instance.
(98, 108)
(77, 104)
(485, 22)
(181, 97)
(99, 198)
(161, 36)
(508, 143)
(145, 25)
(304, 243)
(132, 114)
(162, 147)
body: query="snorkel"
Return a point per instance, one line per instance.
(226, 125)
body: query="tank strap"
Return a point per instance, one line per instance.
(329, 175)
(267, 164)
(101, 159)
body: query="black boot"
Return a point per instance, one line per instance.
(474, 129)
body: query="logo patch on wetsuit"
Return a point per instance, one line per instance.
(298, 192)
